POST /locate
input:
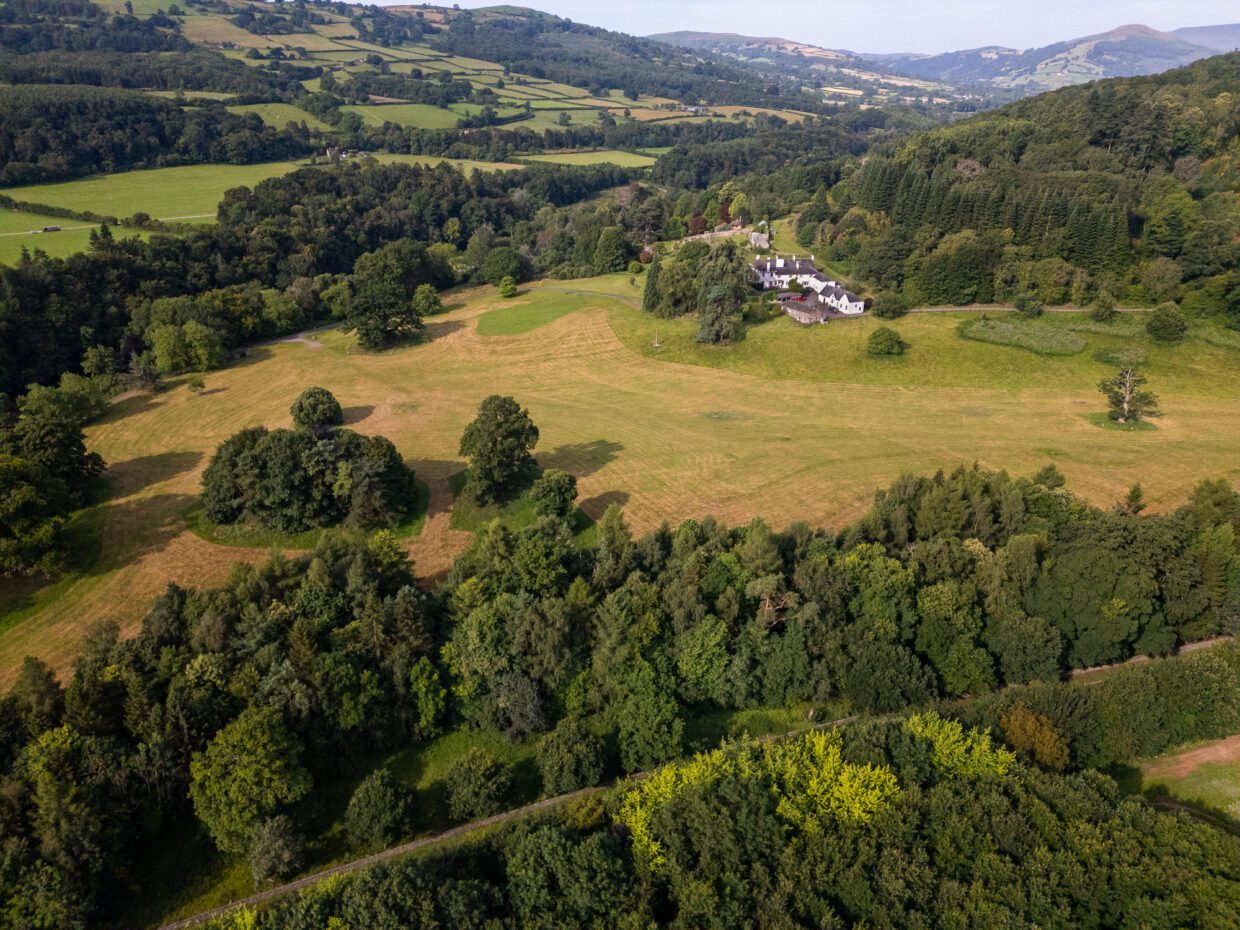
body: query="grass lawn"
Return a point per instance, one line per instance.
(534, 310)
(623, 159)
(18, 231)
(791, 423)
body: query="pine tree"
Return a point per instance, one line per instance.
(650, 296)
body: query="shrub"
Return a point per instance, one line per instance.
(478, 785)
(889, 305)
(1029, 307)
(1103, 309)
(1167, 324)
(379, 811)
(569, 758)
(885, 341)
(507, 287)
(276, 850)
(426, 300)
(317, 410)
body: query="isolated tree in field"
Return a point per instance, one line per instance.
(1133, 502)
(498, 443)
(507, 287)
(426, 300)
(379, 811)
(246, 774)
(1167, 324)
(478, 785)
(1128, 399)
(276, 851)
(317, 410)
(553, 493)
(885, 341)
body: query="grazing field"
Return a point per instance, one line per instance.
(18, 230)
(791, 424)
(623, 159)
(416, 115)
(188, 193)
(1208, 775)
(279, 115)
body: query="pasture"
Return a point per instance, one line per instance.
(19, 229)
(790, 424)
(279, 115)
(190, 193)
(623, 159)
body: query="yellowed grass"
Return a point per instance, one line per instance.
(793, 424)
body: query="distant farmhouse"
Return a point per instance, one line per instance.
(826, 298)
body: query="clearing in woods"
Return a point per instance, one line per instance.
(790, 424)
(1207, 775)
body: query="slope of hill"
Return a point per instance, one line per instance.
(839, 76)
(1124, 190)
(1124, 52)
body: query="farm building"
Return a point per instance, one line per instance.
(783, 273)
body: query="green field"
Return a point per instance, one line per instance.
(189, 193)
(279, 115)
(790, 424)
(17, 231)
(623, 159)
(416, 115)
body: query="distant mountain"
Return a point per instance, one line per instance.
(1128, 51)
(1219, 38)
(844, 77)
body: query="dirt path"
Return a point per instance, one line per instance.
(1140, 660)
(1185, 763)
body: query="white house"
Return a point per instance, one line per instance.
(782, 273)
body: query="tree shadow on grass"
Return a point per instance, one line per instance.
(595, 507)
(437, 330)
(128, 406)
(133, 475)
(581, 458)
(358, 413)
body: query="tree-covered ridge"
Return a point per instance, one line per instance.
(1125, 189)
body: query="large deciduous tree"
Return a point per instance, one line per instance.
(247, 773)
(498, 443)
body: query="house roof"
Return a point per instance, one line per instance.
(790, 266)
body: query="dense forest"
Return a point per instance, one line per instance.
(294, 673)
(1123, 190)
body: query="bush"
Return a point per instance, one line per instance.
(507, 287)
(885, 341)
(1167, 324)
(1029, 307)
(379, 811)
(317, 410)
(889, 305)
(478, 785)
(276, 851)
(569, 758)
(1103, 309)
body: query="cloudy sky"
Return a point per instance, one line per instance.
(892, 25)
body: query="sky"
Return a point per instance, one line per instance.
(891, 25)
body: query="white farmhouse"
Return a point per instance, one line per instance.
(783, 273)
